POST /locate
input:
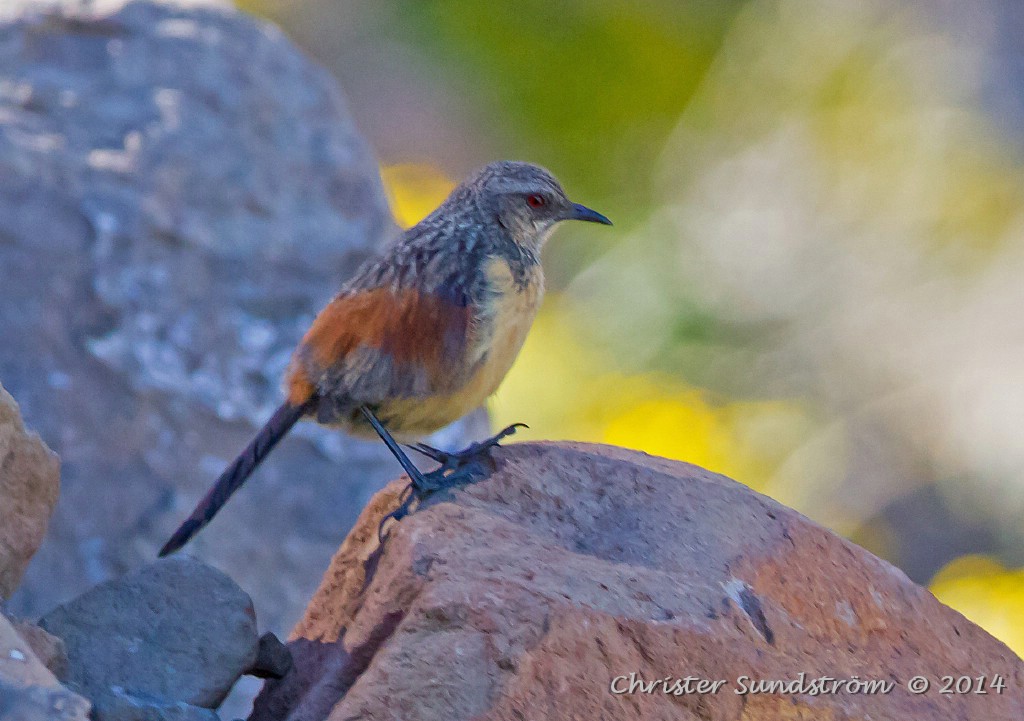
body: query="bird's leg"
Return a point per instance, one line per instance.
(423, 484)
(453, 461)
(419, 481)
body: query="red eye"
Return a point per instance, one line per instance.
(536, 201)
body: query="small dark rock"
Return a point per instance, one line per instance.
(175, 630)
(273, 659)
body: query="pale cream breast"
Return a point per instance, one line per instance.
(498, 333)
(507, 320)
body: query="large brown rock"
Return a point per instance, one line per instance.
(29, 485)
(526, 595)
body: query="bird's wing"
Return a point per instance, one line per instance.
(383, 343)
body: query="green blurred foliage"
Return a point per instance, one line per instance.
(592, 88)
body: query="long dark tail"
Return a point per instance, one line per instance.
(235, 475)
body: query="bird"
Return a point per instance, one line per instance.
(422, 334)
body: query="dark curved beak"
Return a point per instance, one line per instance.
(582, 212)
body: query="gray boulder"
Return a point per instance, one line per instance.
(182, 191)
(171, 635)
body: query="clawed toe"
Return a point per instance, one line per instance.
(430, 452)
(457, 468)
(508, 431)
(455, 459)
(493, 441)
(425, 485)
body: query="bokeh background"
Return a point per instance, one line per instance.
(815, 283)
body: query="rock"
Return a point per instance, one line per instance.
(19, 666)
(529, 594)
(41, 704)
(123, 706)
(29, 485)
(173, 631)
(49, 649)
(181, 191)
(273, 659)
(28, 690)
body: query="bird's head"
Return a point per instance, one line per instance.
(526, 200)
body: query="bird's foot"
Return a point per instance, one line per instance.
(457, 468)
(456, 460)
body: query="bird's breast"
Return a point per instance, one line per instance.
(502, 322)
(501, 319)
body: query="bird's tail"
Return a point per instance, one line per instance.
(235, 475)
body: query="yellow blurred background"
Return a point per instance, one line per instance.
(814, 281)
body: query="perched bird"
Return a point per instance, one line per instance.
(423, 335)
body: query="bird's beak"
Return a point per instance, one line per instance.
(582, 212)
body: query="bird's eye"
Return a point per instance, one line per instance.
(536, 200)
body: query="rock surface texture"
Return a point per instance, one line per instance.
(28, 691)
(526, 595)
(29, 484)
(173, 635)
(181, 191)
(49, 649)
